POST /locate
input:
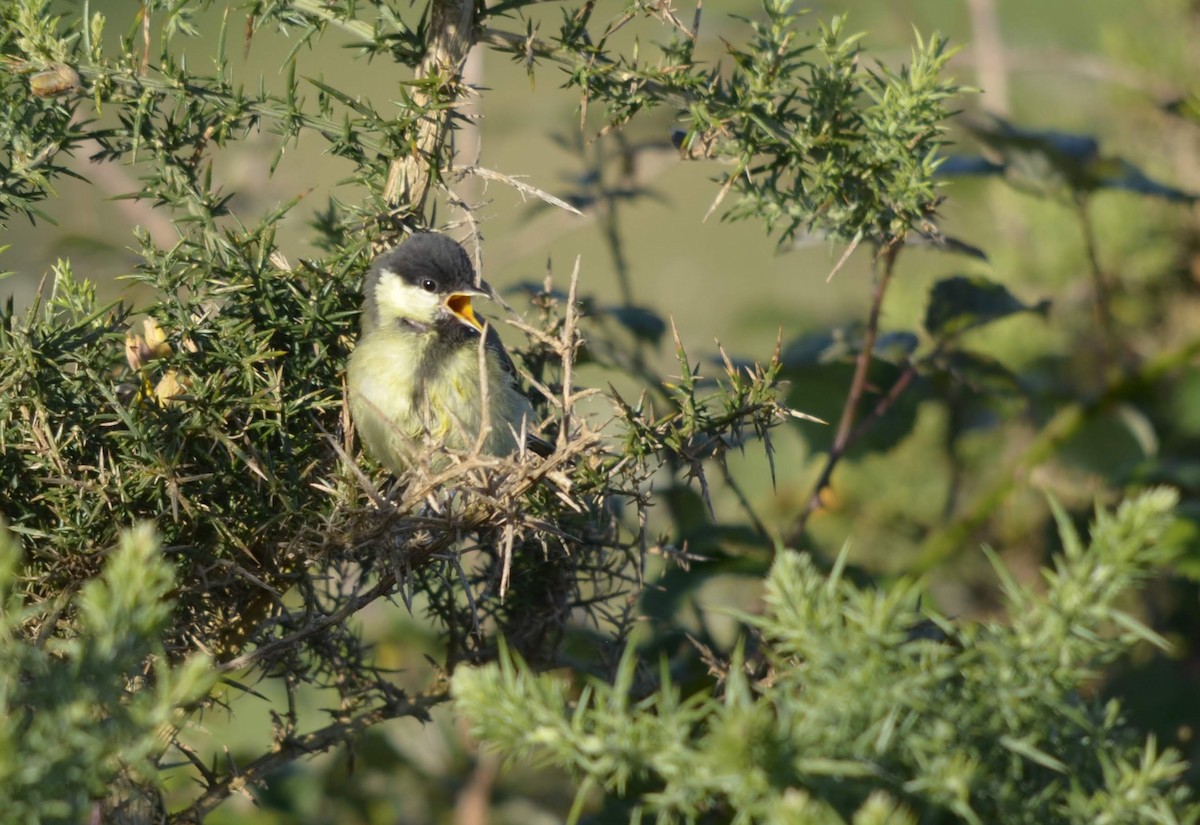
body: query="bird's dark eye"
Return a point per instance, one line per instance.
(429, 285)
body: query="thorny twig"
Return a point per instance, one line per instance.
(518, 184)
(243, 777)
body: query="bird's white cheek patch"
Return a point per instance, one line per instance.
(396, 298)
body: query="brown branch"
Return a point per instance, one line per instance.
(451, 35)
(524, 188)
(991, 68)
(885, 404)
(846, 432)
(381, 588)
(567, 350)
(473, 804)
(1101, 289)
(316, 742)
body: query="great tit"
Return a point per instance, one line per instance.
(414, 377)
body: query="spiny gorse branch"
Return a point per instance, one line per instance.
(858, 706)
(77, 712)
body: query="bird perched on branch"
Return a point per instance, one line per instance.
(415, 375)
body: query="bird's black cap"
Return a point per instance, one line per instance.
(424, 256)
(428, 255)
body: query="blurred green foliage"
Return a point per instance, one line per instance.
(83, 712)
(860, 708)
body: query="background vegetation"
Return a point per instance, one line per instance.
(226, 171)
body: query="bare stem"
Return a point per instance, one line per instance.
(451, 27)
(886, 403)
(295, 747)
(760, 526)
(1101, 294)
(381, 588)
(569, 347)
(990, 57)
(846, 433)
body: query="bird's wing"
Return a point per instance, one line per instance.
(537, 445)
(506, 363)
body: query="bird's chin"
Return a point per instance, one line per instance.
(453, 321)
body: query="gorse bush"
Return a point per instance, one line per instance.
(208, 407)
(79, 710)
(860, 707)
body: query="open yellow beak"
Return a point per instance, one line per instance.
(459, 303)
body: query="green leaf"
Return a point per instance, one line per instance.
(840, 768)
(1023, 747)
(1047, 162)
(982, 373)
(843, 344)
(1118, 173)
(963, 302)
(895, 347)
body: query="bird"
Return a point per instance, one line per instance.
(414, 378)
